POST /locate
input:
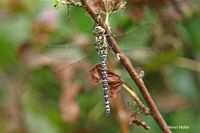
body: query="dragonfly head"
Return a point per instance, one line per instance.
(99, 30)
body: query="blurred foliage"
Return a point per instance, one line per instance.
(158, 38)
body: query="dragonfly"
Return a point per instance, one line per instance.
(102, 45)
(72, 54)
(132, 43)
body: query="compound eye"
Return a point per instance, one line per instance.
(97, 28)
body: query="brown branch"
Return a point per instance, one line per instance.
(128, 66)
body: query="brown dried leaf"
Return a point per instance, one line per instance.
(114, 80)
(134, 119)
(140, 123)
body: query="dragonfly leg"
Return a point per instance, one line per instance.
(118, 56)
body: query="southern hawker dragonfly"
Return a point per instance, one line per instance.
(133, 44)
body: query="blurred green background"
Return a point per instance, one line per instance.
(39, 94)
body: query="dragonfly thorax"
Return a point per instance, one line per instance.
(101, 45)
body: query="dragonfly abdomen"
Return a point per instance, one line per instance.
(105, 87)
(102, 49)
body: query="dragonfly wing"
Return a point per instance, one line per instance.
(62, 53)
(65, 54)
(151, 58)
(135, 36)
(141, 54)
(134, 44)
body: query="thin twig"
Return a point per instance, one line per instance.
(128, 66)
(136, 98)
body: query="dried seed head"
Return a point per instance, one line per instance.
(107, 6)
